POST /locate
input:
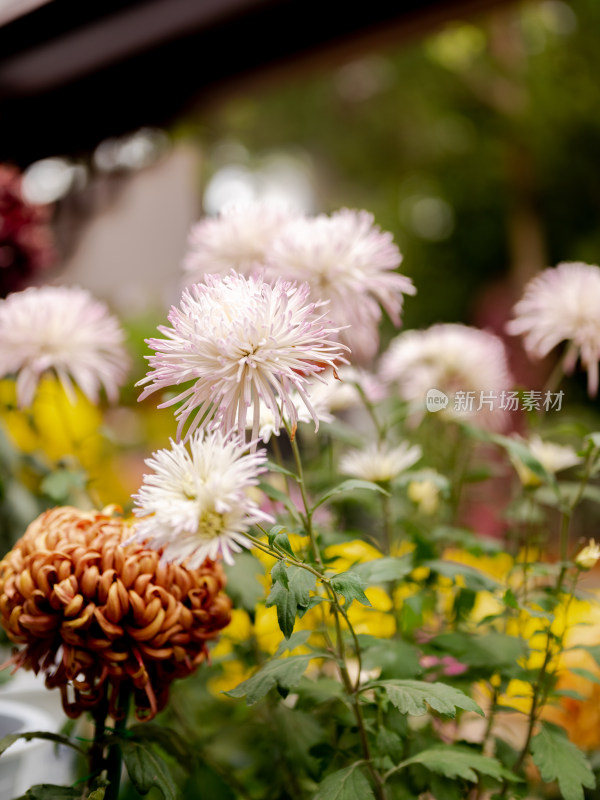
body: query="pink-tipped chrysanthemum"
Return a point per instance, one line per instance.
(350, 261)
(237, 239)
(563, 304)
(196, 503)
(240, 341)
(65, 331)
(466, 364)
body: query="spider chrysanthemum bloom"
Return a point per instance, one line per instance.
(380, 462)
(237, 239)
(562, 304)
(95, 615)
(350, 261)
(239, 341)
(553, 458)
(467, 364)
(64, 331)
(196, 503)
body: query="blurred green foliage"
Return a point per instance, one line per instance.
(475, 146)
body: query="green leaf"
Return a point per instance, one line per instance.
(288, 599)
(97, 794)
(60, 484)
(272, 466)
(473, 578)
(279, 573)
(296, 640)
(560, 760)
(393, 657)
(495, 650)
(6, 741)
(345, 784)
(351, 587)
(48, 791)
(283, 673)
(243, 585)
(349, 486)
(382, 570)
(166, 738)
(413, 697)
(146, 769)
(459, 762)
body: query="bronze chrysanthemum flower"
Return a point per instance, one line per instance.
(96, 615)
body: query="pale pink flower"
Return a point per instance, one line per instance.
(563, 304)
(65, 331)
(197, 503)
(468, 365)
(240, 341)
(350, 261)
(236, 239)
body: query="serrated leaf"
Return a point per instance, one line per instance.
(349, 486)
(282, 673)
(166, 738)
(146, 769)
(351, 587)
(383, 570)
(296, 640)
(345, 784)
(413, 697)
(289, 599)
(279, 573)
(459, 762)
(560, 760)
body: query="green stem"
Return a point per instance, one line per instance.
(114, 758)
(305, 501)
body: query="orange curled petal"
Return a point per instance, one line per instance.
(150, 630)
(112, 631)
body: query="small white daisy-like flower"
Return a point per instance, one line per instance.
(241, 341)
(236, 239)
(553, 458)
(196, 503)
(379, 462)
(562, 304)
(466, 364)
(66, 331)
(350, 261)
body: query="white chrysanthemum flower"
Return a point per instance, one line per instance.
(350, 261)
(236, 239)
(196, 504)
(379, 462)
(241, 341)
(553, 458)
(268, 426)
(562, 304)
(65, 331)
(466, 364)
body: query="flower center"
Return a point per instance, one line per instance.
(211, 524)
